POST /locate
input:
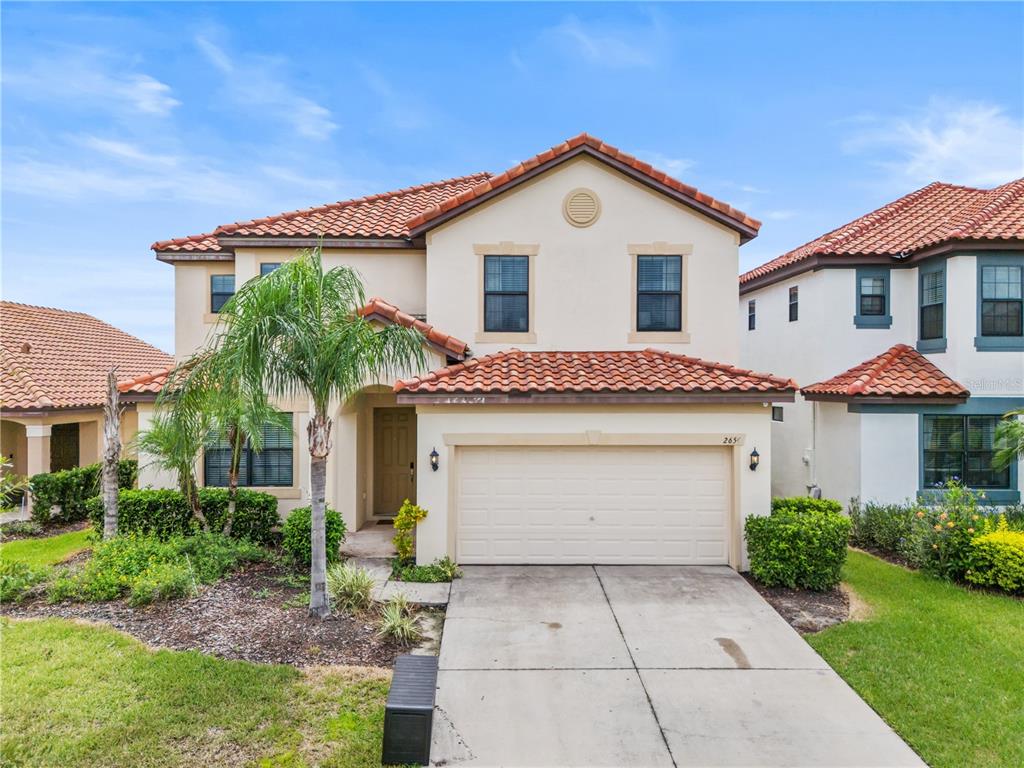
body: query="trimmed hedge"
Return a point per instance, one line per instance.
(71, 489)
(801, 544)
(997, 560)
(166, 513)
(297, 531)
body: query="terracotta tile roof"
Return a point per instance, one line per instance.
(375, 216)
(379, 309)
(646, 371)
(51, 358)
(205, 243)
(597, 147)
(900, 371)
(934, 215)
(147, 384)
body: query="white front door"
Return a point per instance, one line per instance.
(589, 504)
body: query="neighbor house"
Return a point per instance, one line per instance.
(53, 382)
(580, 403)
(905, 328)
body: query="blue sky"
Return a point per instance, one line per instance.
(127, 123)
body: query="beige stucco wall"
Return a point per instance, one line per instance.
(583, 277)
(13, 445)
(440, 427)
(399, 276)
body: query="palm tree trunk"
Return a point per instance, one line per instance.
(190, 490)
(111, 456)
(319, 431)
(234, 435)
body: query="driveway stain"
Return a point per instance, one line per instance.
(731, 647)
(553, 624)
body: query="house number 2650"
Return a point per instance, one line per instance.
(731, 440)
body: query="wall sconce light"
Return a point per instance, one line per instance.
(755, 459)
(435, 460)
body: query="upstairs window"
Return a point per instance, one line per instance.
(961, 448)
(777, 414)
(1002, 300)
(932, 322)
(507, 294)
(222, 288)
(267, 267)
(873, 298)
(751, 315)
(794, 304)
(270, 467)
(659, 294)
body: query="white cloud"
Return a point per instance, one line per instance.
(91, 78)
(125, 171)
(260, 85)
(615, 46)
(673, 166)
(974, 143)
(399, 110)
(779, 215)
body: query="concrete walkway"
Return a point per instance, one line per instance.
(370, 547)
(639, 666)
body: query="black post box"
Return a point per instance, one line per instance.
(409, 712)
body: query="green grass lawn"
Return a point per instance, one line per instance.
(46, 551)
(89, 696)
(942, 665)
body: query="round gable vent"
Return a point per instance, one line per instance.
(581, 207)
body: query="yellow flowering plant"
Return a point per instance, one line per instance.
(945, 531)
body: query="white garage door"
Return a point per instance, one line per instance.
(577, 504)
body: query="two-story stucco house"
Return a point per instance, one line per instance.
(905, 328)
(570, 306)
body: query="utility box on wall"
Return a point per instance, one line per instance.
(409, 712)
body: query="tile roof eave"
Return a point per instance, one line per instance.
(750, 282)
(921, 399)
(655, 397)
(584, 144)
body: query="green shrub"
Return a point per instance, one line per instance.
(255, 517)
(20, 528)
(397, 621)
(408, 517)
(165, 512)
(350, 587)
(887, 527)
(149, 511)
(803, 504)
(148, 567)
(162, 581)
(1014, 514)
(297, 528)
(17, 578)
(997, 560)
(71, 489)
(443, 569)
(800, 544)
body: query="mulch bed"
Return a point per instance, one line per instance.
(241, 617)
(806, 611)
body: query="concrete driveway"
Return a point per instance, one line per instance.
(639, 666)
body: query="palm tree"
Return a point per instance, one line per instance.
(1009, 440)
(173, 441)
(229, 409)
(298, 331)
